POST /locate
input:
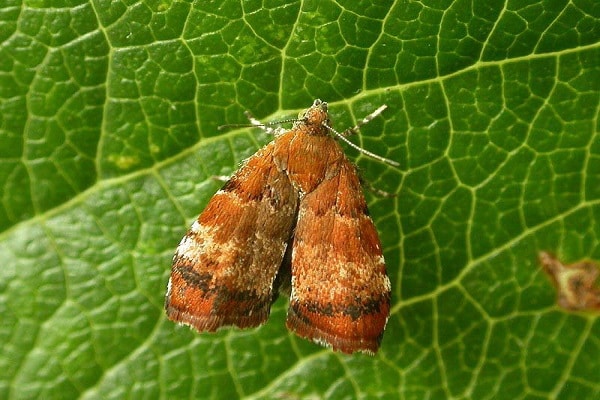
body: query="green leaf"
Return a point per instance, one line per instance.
(108, 144)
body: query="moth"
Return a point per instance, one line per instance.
(293, 209)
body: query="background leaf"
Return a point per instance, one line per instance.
(108, 142)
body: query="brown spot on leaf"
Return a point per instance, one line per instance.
(576, 284)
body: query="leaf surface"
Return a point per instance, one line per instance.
(109, 142)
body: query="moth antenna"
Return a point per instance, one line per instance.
(278, 131)
(365, 120)
(360, 149)
(263, 125)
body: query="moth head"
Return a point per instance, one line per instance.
(315, 118)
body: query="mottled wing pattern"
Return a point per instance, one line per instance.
(340, 291)
(223, 271)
